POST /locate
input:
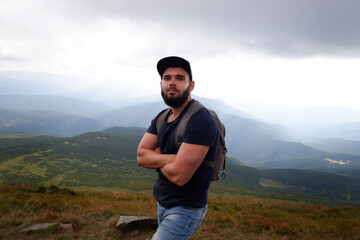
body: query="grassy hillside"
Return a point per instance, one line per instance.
(93, 159)
(107, 160)
(7, 141)
(288, 184)
(318, 183)
(94, 215)
(337, 163)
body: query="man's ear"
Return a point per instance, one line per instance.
(192, 85)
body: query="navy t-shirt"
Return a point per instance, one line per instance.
(202, 129)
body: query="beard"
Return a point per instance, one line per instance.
(176, 101)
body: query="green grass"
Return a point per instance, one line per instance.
(20, 136)
(93, 215)
(105, 160)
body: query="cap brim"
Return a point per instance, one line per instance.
(173, 61)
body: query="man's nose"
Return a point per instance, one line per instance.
(172, 81)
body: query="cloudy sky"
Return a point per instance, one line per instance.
(275, 52)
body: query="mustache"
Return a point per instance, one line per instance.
(172, 89)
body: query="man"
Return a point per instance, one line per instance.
(181, 188)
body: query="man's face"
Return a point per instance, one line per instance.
(175, 86)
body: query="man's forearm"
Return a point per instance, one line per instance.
(153, 159)
(169, 171)
(188, 159)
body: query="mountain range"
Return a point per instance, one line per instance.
(251, 141)
(60, 104)
(45, 122)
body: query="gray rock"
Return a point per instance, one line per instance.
(148, 222)
(62, 227)
(39, 226)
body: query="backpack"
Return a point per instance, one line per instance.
(219, 162)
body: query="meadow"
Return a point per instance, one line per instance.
(94, 214)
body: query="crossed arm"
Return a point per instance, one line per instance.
(177, 168)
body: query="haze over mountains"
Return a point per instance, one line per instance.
(335, 122)
(251, 140)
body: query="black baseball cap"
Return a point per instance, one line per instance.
(173, 61)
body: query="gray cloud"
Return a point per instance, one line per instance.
(277, 27)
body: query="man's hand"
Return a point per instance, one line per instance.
(158, 150)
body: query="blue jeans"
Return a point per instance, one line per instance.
(178, 223)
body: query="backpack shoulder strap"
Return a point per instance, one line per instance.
(180, 131)
(161, 119)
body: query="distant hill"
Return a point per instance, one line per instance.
(349, 131)
(341, 164)
(335, 145)
(140, 115)
(66, 105)
(133, 116)
(222, 107)
(135, 131)
(108, 159)
(327, 122)
(51, 123)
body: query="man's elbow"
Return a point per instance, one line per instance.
(180, 184)
(139, 158)
(175, 175)
(179, 181)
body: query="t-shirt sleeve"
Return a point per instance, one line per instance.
(202, 129)
(152, 127)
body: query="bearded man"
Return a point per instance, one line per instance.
(181, 188)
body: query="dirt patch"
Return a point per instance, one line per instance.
(272, 184)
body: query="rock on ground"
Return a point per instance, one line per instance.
(62, 227)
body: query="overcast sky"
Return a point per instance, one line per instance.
(278, 52)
